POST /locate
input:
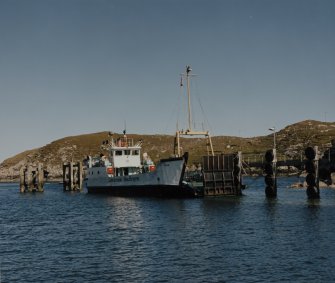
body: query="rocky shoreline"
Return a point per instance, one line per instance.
(303, 185)
(292, 141)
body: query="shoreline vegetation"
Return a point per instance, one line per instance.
(291, 143)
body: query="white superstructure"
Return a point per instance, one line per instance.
(122, 172)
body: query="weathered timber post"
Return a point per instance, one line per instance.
(40, 178)
(64, 176)
(270, 169)
(72, 176)
(31, 178)
(327, 165)
(317, 157)
(312, 169)
(274, 165)
(23, 179)
(80, 175)
(238, 182)
(30, 184)
(75, 177)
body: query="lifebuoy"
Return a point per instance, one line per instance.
(110, 170)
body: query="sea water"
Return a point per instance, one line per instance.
(58, 236)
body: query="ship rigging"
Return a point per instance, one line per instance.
(189, 131)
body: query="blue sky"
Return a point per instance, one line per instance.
(70, 67)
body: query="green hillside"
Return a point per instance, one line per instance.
(291, 141)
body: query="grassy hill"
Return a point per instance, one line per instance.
(291, 141)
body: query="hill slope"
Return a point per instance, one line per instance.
(291, 141)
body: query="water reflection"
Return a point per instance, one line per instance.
(270, 205)
(313, 203)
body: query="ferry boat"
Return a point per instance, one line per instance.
(123, 173)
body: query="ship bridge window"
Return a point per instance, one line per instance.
(118, 152)
(136, 152)
(127, 152)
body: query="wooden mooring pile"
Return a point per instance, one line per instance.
(72, 176)
(311, 165)
(32, 178)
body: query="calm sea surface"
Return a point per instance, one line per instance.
(76, 237)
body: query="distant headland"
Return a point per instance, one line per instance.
(291, 141)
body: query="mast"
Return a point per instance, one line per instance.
(188, 71)
(189, 131)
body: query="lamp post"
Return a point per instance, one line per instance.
(273, 129)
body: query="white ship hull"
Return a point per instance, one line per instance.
(166, 180)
